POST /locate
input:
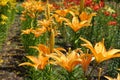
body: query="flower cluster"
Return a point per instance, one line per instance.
(32, 6)
(3, 19)
(6, 6)
(3, 2)
(45, 21)
(69, 60)
(95, 5)
(56, 17)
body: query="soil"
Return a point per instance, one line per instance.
(11, 54)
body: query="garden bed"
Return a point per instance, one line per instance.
(12, 54)
(40, 28)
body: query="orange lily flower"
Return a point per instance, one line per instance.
(85, 60)
(76, 24)
(27, 31)
(58, 18)
(62, 13)
(45, 23)
(118, 69)
(68, 61)
(39, 31)
(110, 78)
(42, 48)
(45, 49)
(99, 51)
(33, 6)
(85, 16)
(37, 62)
(22, 18)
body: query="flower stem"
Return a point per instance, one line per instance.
(82, 2)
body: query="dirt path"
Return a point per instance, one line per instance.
(12, 54)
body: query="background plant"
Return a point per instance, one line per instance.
(7, 15)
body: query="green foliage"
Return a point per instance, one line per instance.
(19, 9)
(113, 66)
(115, 42)
(51, 72)
(29, 39)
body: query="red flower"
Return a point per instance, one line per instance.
(101, 4)
(56, 6)
(67, 5)
(114, 15)
(96, 7)
(88, 2)
(112, 23)
(106, 13)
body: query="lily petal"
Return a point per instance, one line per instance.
(29, 64)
